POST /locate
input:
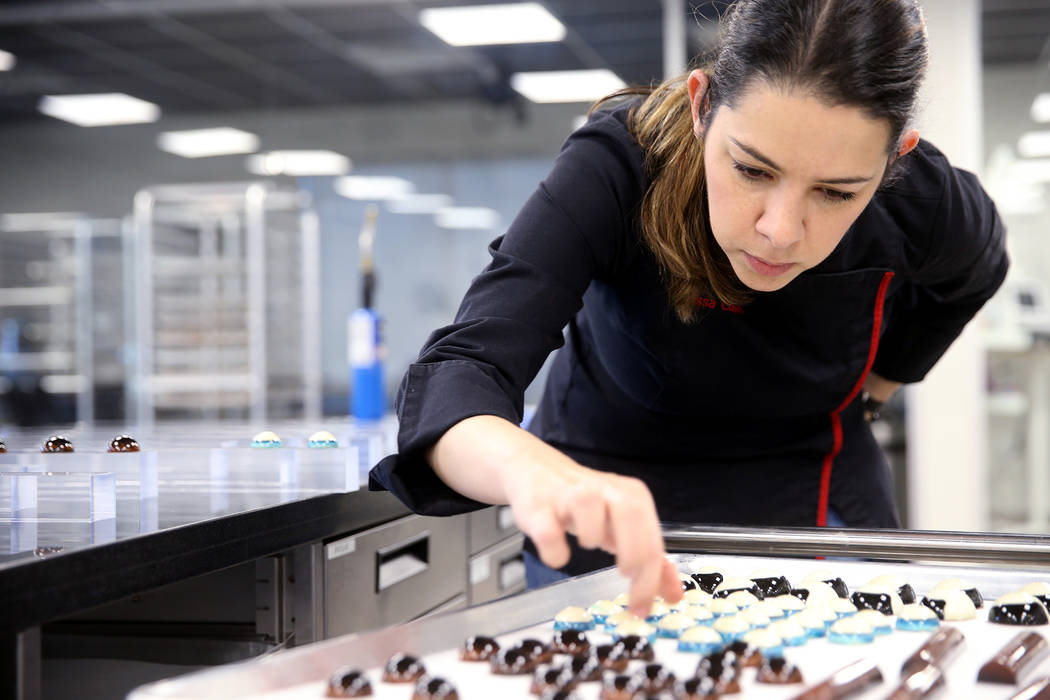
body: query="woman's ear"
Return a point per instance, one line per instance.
(697, 83)
(909, 140)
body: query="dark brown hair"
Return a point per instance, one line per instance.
(869, 54)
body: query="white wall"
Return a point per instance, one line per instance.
(947, 420)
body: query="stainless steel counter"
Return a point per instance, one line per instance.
(300, 673)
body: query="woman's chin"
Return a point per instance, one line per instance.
(764, 283)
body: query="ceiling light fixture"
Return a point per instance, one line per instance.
(1041, 108)
(480, 25)
(1030, 171)
(204, 143)
(102, 109)
(298, 163)
(373, 187)
(467, 217)
(7, 60)
(567, 85)
(1034, 144)
(418, 203)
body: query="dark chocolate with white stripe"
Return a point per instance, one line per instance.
(1019, 614)
(870, 600)
(772, 586)
(708, 582)
(839, 586)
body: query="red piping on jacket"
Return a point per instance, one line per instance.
(836, 420)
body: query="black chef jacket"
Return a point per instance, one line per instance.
(749, 415)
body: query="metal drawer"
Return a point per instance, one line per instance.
(489, 526)
(393, 573)
(457, 603)
(497, 572)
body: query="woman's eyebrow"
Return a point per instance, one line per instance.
(761, 158)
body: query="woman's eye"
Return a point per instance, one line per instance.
(748, 172)
(838, 195)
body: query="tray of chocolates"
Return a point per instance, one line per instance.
(747, 627)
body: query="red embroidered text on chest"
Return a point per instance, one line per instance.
(715, 304)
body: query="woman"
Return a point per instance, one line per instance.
(748, 260)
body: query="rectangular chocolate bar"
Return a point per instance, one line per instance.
(1039, 690)
(942, 646)
(1013, 661)
(846, 682)
(920, 683)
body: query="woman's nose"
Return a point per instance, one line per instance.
(781, 222)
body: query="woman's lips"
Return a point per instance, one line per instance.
(767, 269)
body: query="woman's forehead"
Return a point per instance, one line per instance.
(798, 131)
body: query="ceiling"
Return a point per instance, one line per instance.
(217, 55)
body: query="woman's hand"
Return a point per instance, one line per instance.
(877, 391)
(879, 388)
(492, 460)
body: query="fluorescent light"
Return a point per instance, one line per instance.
(298, 163)
(1030, 171)
(7, 60)
(418, 203)
(42, 221)
(566, 85)
(202, 143)
(1041, 108)
(375, 187)
(517, 23)
(467, 217)
(1026, 201)
(1034, 144)
(103, 109)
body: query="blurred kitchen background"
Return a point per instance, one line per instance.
(191, 250)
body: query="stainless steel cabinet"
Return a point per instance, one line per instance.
(497, 572)
(393, 573)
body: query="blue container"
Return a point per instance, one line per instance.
(366, 365)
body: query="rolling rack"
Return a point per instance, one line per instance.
(302, 672)
(61, 328)
(225, 303)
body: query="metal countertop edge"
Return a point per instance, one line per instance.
(40, 590)
(896, 545)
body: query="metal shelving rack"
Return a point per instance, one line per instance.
(226, 303)
(60, 298)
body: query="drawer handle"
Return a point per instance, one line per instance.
(505, 517)
(512, 572)
(402, 561)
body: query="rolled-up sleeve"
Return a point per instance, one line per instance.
(575, 227)
(963, 265)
